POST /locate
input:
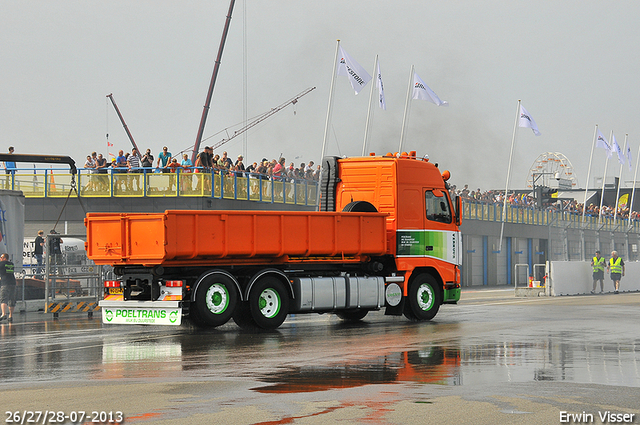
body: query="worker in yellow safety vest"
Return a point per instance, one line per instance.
(598, 263)
(616, 267)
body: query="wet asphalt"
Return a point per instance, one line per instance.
(493, 358)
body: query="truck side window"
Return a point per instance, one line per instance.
(437, 206)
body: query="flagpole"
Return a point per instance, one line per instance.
(586, 186)
(506, 189)
(330, 106)
(615, 214)
(633, 191)
(406, 110)
(366, 127)
(604, 176)
(328, 122)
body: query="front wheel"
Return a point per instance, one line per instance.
(268, 303)
(424, 298)
(216, 299)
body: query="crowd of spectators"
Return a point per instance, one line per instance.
(206, 162)
(526, 200)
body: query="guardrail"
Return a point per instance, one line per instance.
(533, 216)
(148, 182)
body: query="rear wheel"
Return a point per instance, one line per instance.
(352, 315)
(242, 316)
(216, 299)
(424, 298)
(268, 303)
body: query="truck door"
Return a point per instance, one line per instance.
(437, 237)
(432, 215)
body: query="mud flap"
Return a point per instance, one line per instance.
(395, 310)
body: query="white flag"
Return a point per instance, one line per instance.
(423, 92)
(629, 157)
(527, 121)
(615, 147)
(601, 142)
(381, 102)
(352, 69)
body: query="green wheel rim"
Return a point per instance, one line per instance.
(269, 303)
(425, 297)
(217, 298)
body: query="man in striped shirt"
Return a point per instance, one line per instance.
(133, 162)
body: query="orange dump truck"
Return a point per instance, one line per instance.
(386, 237)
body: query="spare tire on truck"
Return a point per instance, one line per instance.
(359, 206)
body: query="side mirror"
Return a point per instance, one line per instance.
(458, 210)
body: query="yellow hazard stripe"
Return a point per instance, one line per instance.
(71, 306)
(55, 307)
(90, 307)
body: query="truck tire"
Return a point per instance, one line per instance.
(359, 206)
(424, 298)
(242, 316)
(352, 315)
(268, 303)
(216, 300)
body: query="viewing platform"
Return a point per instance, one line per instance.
(545, 217)
(147, 183)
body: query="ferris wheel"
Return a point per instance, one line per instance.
(551, 167)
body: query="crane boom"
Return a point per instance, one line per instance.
(124, 124)
(40, 159)
(263, 117)
(216, 67)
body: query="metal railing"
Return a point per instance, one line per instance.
(64, 280)
(148, 182)
(530, 215)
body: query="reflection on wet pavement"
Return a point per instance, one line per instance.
(435, 365)
(470, 365)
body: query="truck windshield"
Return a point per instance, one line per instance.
(437, 206)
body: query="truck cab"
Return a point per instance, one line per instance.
(422, 221)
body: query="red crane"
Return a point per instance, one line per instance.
(124, 124)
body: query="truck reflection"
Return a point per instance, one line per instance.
(433, 365)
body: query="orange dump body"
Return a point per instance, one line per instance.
(228, 237)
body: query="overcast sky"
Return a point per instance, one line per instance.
(573, 63)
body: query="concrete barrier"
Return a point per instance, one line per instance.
(576, 278)
(530, 292)
(29, 306)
